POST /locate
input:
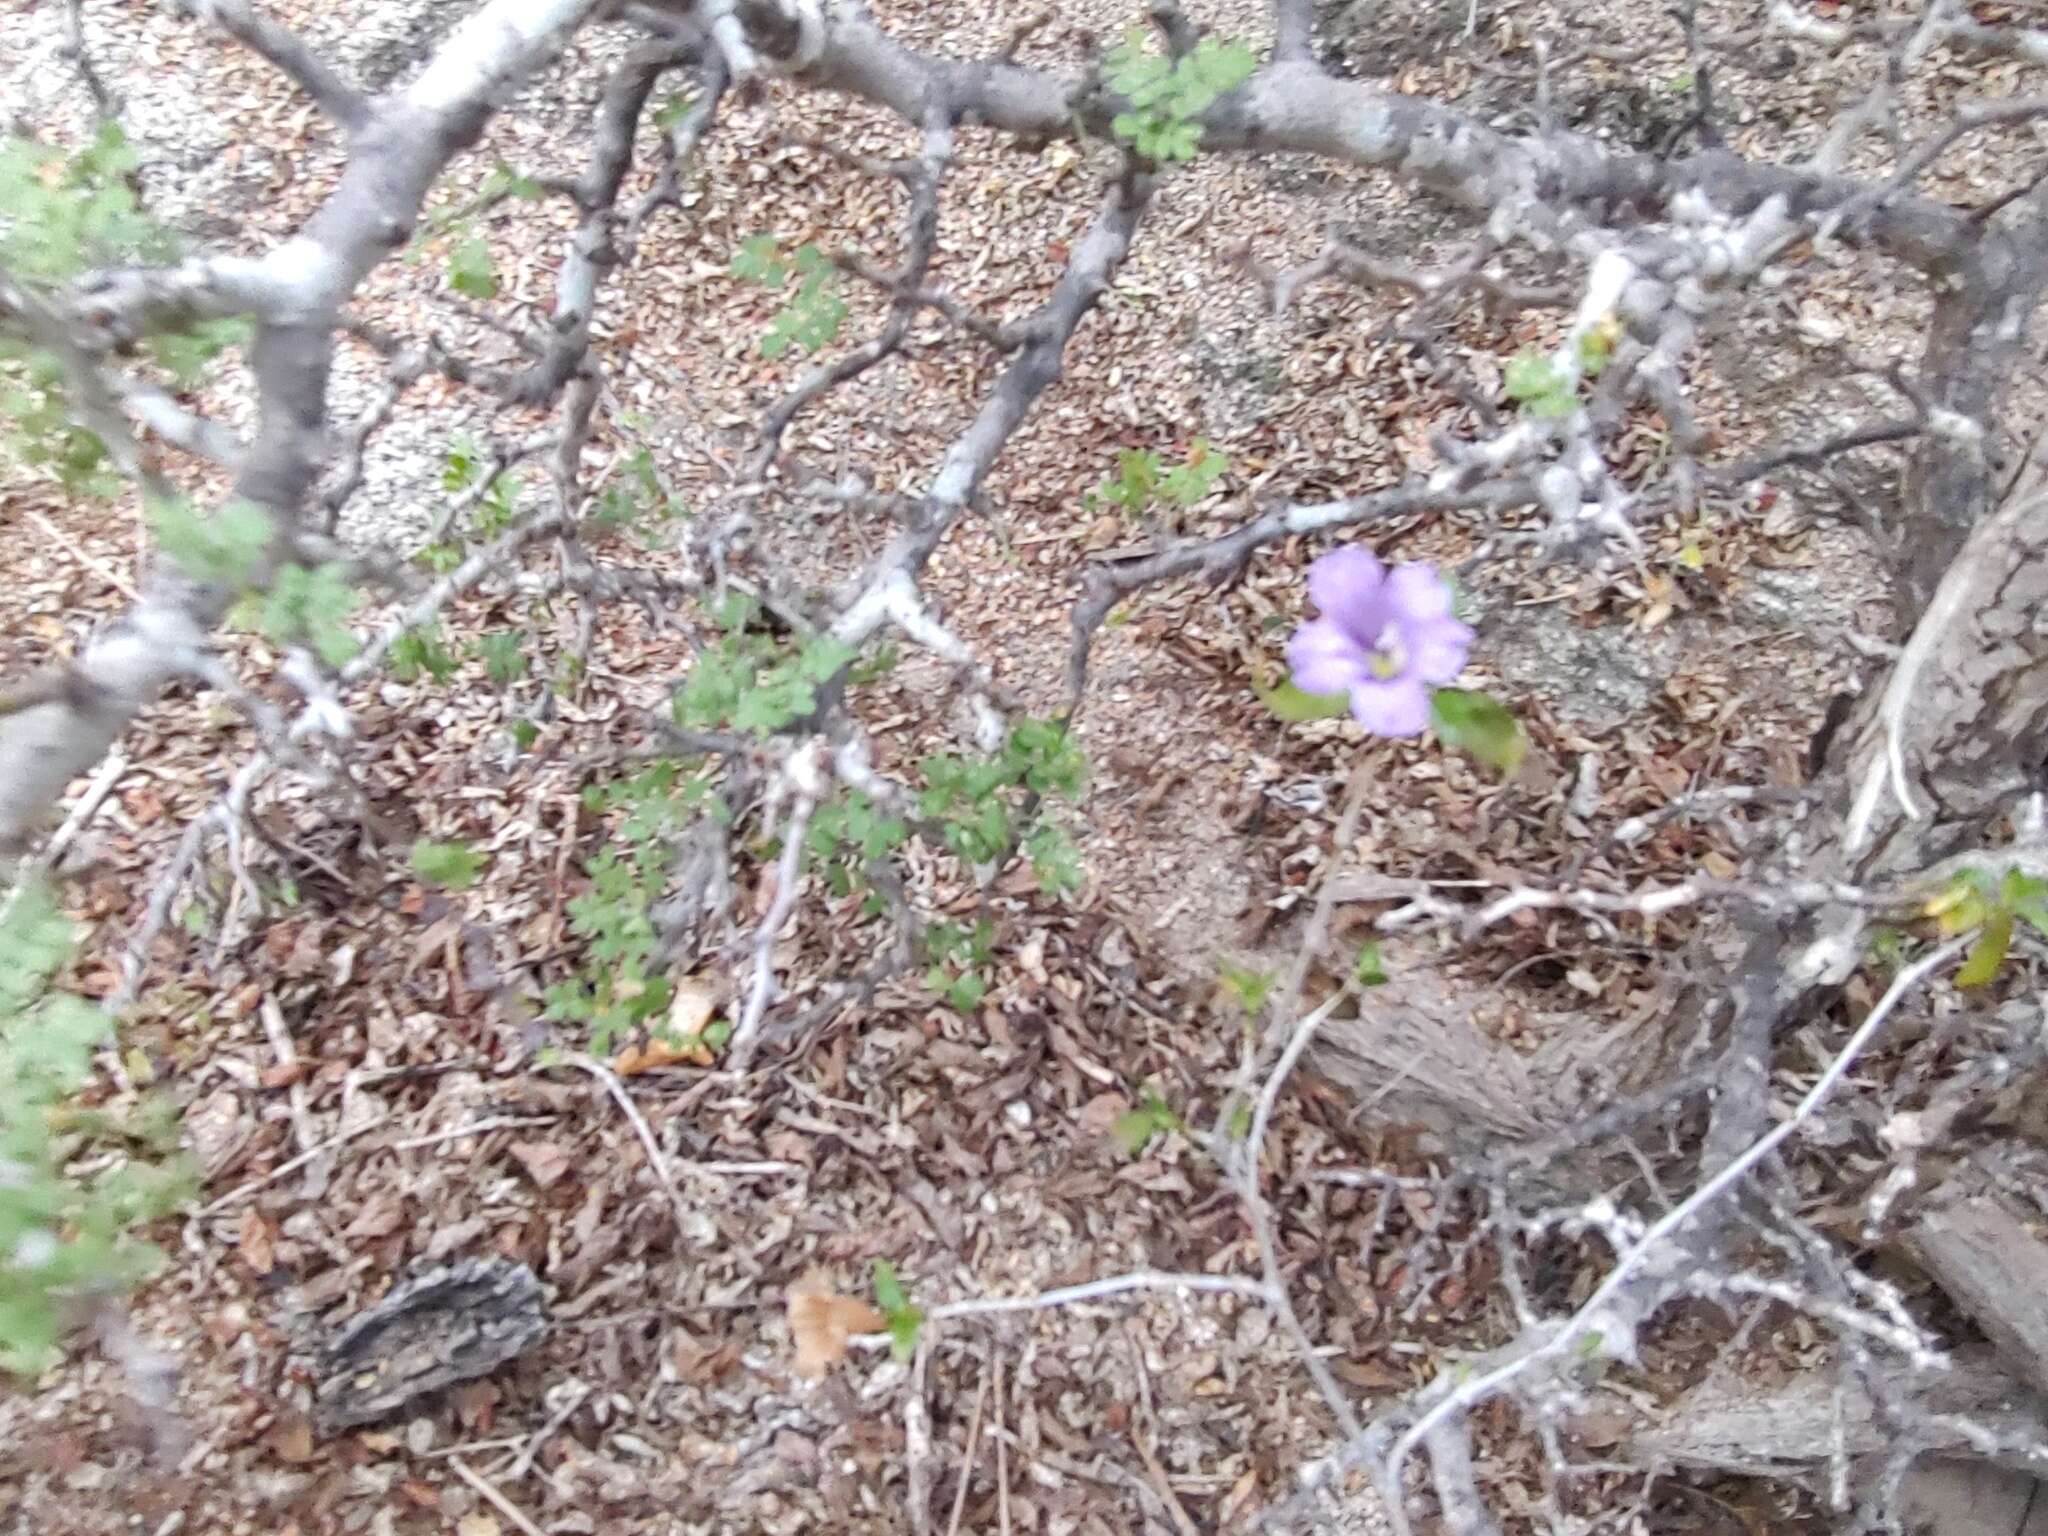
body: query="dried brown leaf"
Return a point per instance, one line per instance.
(544, 1161)
(821, 1321)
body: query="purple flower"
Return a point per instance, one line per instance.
(1385, 639)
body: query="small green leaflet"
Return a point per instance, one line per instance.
(307, 607)
(1249, 989)
(1290, 704)
(503, 656)
(1987, 954)
(1135, 1128)
(1478, 724)
(453, 866)
(505, 182)
(225, 549)
(470, 271)
(904, 1320)
(757, 261)
(1540, 385)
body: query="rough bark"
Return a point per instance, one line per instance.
(1728, 1424)
(1994, 1265)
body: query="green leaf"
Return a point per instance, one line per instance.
(504, 656)
(421, 652)
(453, 866)
(1134, 1129)
(1250, 989)
(889, 1295)
(1987, 954)
(1531, 375)
(1370, 971)
(504, 182)
(1478, 724)
(470, 271)
(1190, 482)
(674, 110)
(1290, 704)
(758, 261)
(307, 607)
(226, 549)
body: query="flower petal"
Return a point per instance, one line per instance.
(1399, 707)
(1321, 658)
(1418, 593)
(1345, 582)
(1437, 649)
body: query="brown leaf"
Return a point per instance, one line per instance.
(382, 1215)
(821, 1321)
(1101, 1112)
(544, 1161)
(291, 1438)
(476, 1404)
(254, 1242)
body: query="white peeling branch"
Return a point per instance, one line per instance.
(295, 293)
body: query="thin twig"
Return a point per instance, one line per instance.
(495, 1499)
(655, 1158)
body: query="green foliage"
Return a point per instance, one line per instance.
(1136, 478)
(184, 355)
(498, 509)
(1250, 990)
(1168, 96)
(1055, 861)
(960, 960)
(1292, 706)
(1990, 905)
(815, 311)
(1479, 724)
(421, 652)
(452, 866)
(1370, 970)
(1142, 477)
(672, 111)
(848, 835)
(504, 656)
(68, 214)
(466, 461)
(299, 606)
(618, 989)
(1596, 345)
(306, 607)
(65, 1238)
(903, 1319)
(751, 681)
(457, 218)
(225, 550)
(633, 501)
(1135, 1129)
(470, 269)
(42, 436)
(1195, 477)
(504, 182)
(978, 801)
(1541, 385)
(61, 216)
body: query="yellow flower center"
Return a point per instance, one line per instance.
(1389, 657)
